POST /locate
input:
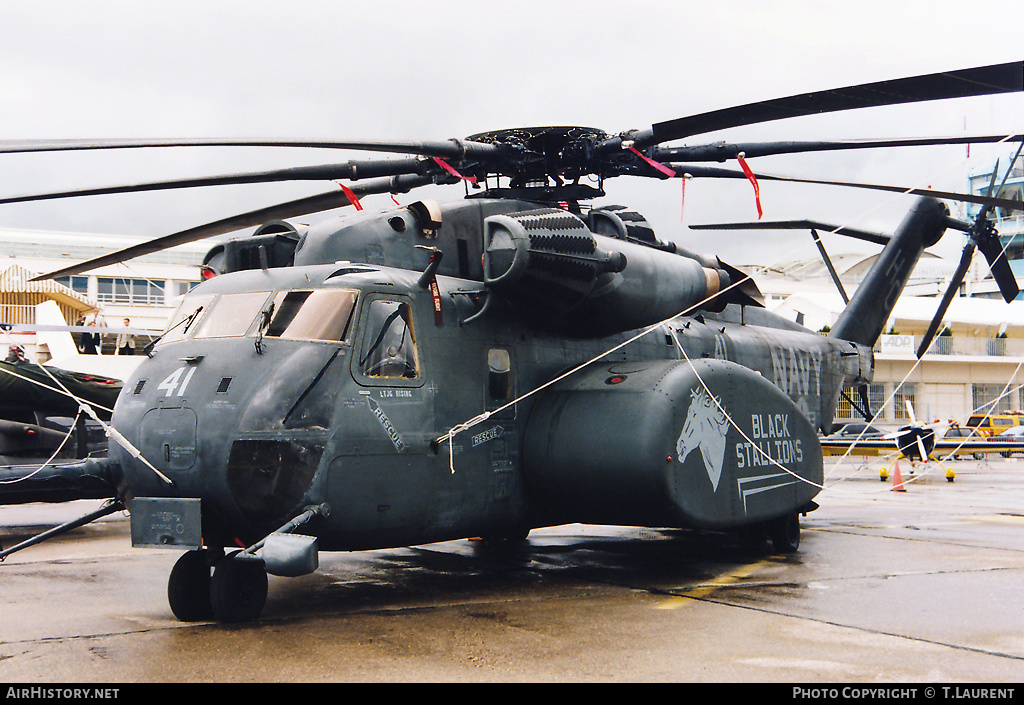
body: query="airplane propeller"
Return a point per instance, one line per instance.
(915, 436)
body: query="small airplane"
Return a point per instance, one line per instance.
(916, 442)
(41, 411)
(516, 359)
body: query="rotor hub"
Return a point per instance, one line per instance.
(536, 153)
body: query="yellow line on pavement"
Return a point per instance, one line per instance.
(682, 595)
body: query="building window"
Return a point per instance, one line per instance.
(80, 285)
(845, 411)
(984, 399)
(905, 393)
(182, 288)
(129, 291)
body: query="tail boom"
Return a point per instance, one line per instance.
(863, 320)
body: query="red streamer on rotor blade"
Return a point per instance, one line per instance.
(682, 198)
(447, 167)
(350, 195)
(753, 182)
(660, 167)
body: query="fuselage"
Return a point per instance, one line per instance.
(279, 389)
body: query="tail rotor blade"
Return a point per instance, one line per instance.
(984, 233)
(994, 254)
(947, 298)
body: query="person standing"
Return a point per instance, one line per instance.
(91, 342)
(125, 341)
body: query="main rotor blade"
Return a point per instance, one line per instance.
(964, 83)
(323, 172)
(877, 238)
(715, 172)
(722, 151)
(291, 209)
(447, 148)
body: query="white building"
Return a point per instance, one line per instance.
(145, 290)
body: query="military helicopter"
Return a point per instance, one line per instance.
(480, 368)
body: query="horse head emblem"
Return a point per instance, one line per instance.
(705, 428)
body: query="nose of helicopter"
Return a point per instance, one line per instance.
(268, 478)
(246, 440)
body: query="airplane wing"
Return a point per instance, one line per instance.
(943, 448)
(53, 331)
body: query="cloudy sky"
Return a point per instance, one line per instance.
(449, 68)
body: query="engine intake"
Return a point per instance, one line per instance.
(582, 283)
(547, 254)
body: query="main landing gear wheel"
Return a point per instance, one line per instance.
(785, 533)
(752, 539)
(238, 590)
(188, 588)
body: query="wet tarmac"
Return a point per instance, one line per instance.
(893, 587)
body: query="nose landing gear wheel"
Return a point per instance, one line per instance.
(188, 588)
(238, 590)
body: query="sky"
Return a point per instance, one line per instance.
(397, 69)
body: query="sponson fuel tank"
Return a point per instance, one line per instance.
(665, 443)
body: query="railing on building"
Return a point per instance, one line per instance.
(17, 314)
(944, 345)
(887, 401)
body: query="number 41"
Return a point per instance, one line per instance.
(171, 383)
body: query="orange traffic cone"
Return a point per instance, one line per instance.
(897, 479)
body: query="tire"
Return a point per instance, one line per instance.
(785, 533)
(752, 539)
(188, 587)
(238, 590)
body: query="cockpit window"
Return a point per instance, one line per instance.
(186, 318)
(389, 346)
(323, 314)
(232, 315)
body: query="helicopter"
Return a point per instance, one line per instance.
(512, 360)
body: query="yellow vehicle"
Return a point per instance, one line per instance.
(994, 424)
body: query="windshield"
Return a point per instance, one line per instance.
(231, 315)
(185, 319)
(323, 314)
